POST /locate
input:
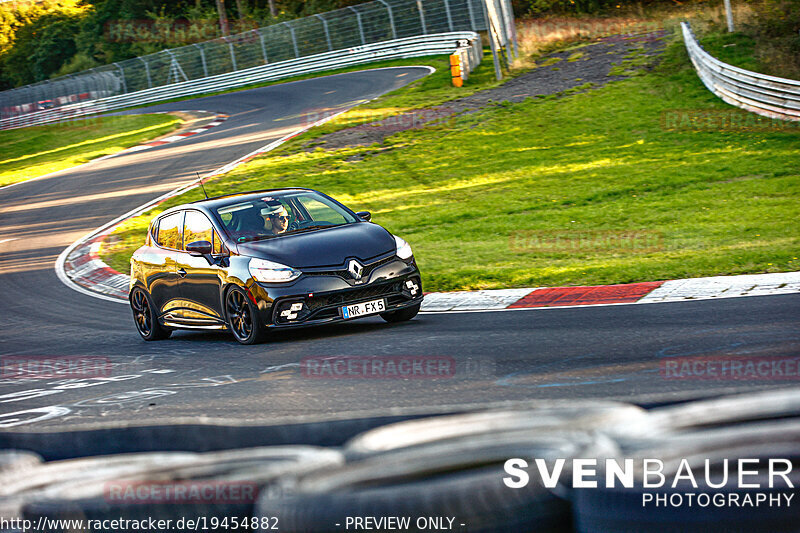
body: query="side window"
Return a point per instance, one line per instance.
(197, 227)
(169, 231)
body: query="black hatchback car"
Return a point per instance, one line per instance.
(279, 258)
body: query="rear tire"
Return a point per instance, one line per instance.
(242, 317)
(146, 317)
(401, 315)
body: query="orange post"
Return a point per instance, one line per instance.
(455, 70)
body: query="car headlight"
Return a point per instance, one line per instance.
(403, 248)
(270, 272)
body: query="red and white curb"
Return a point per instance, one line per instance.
(631, 293)
(219, 118)
(90, 272)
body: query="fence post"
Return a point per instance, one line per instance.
(294, 39)
(422, 17)
(729, 15)
(492, 40)
(325, 27)
(202, 58)
(263, 45)
(472, 25)
(449, 16)
(391, 18)
(147, 71)
(511, 31)
(360, 26)
(233, 54)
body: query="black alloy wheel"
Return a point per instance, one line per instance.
(144, 315)
(242, 315)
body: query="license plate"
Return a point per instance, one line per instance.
(364, 309)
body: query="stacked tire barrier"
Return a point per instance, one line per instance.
(449, 465)
(769, 96)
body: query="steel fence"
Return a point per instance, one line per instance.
(766, 95)
(467, 44)
(339, 30)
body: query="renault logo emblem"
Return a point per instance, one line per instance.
(355, 268)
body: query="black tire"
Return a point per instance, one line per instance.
(80, 489)
(462, 479)
(606, 416)
(12, 461)
(476, 498)
(401, 315)
(242, 317)
(146, 317)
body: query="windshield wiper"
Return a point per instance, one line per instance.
(253, 238)
(315, 226)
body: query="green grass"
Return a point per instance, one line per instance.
(733, 48)
(720, 202)
(34, 151)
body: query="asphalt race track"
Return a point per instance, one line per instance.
(602, 351)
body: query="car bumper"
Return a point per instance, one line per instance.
(314, 300)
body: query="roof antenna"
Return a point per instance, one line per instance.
(201, 184)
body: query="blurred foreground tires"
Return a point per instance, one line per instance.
(164, 486)
(459, 480)
(443, 469)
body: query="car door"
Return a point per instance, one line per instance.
(161, 276)
(200, 281)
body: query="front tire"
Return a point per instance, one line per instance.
(146, 317)
(242, 316)
(401, 315)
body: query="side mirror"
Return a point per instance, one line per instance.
(199, 248)
(366, 216)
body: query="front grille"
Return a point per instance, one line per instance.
(344, 274)
(351, 295)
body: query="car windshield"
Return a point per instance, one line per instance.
(274, 215)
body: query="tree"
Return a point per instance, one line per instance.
(40, 48)
(223, 17)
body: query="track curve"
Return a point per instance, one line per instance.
(589, 352)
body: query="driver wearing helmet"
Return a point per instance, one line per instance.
(277, 215)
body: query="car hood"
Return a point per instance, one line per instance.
(323, 247)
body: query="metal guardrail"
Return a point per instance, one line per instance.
(769, 96)
(342, 29)
(467, 43)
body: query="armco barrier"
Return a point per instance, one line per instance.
(759, 93)
(350, 27)
(423, 45)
